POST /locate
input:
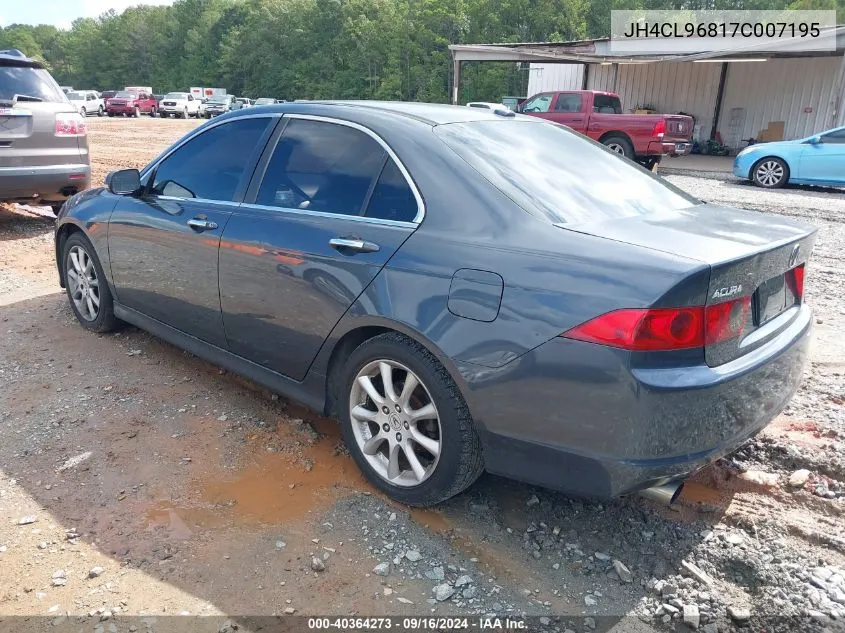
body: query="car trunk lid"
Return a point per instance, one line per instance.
(752, 257)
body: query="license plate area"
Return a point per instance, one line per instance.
(772, 297)
(15, 123)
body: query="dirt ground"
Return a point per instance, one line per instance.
(138, 482)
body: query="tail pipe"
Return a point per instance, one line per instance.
(666, 494)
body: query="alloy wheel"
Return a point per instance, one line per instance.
(83, 283)
(395, 423)
(770, 173)
(616, 147)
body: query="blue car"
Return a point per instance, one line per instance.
(815, 160)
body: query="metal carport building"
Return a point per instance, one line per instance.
(736, 95)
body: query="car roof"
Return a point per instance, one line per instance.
(429, 113)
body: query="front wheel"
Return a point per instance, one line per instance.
(153, 113)
(770, 173)
(406, 423)
(83, 112)
(86, 285)
(100, 111)
(136, 112)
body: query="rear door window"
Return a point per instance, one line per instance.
(392, 197)
(607, 104)
(321, 166)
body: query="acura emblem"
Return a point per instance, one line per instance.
(794, 256)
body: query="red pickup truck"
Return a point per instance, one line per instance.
(131, 103)
(641, 137)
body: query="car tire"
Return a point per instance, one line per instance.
(185, 114)
(111, 114)
(91, 299)
(136, 112)
(100, 111)
(770, 172)
(620, 145)
(153, 113)
(83, 112)
(444, 446)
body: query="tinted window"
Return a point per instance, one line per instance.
(607, 104)
(210, 165)
(321, 166)
(554, 173)
(837, 137)
(539, 103)
(392, 197)
(32, 82)
(568, 103)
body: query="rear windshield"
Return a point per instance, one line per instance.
(32, 82)
(607, 104)
(556, 174)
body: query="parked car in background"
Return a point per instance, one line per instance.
(130, 103)
(87, 102)
(597, 331)
(245, 103)
(815, 160)
(641, 137)
(66, 89)
(106, 95)
(179, 105)
(206, 93)
(220, 104)
(44, 155)
(265, 101)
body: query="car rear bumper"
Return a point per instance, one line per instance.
(48, 182)
(575, 417)
(672, 148)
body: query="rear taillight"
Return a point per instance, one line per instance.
(665, 329)
(659, 129)
(70, 124)
(795, 281)
(725, 321)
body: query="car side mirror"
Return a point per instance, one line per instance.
(815, 140)
(124, 182)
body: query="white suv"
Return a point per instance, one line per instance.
(179, 104)
(87, 102)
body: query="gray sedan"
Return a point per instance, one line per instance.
(464, 289)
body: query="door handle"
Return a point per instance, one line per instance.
(200, 224)
(342, 243)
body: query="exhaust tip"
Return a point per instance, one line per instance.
(666, 494)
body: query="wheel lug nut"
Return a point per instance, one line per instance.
(385, 410)
(398, 408)
(398, 437)
(386, 427)
(407, 426)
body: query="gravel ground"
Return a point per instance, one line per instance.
(137, 481)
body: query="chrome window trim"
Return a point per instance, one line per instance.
(418, 218)
(209, 125)
(326, 214)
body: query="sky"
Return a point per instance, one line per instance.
(61, 13)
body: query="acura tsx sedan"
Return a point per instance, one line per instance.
(465, 289)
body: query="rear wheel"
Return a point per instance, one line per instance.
(153, 113)
(136, 112)
(406, 423)
(100, 111)
(86, 285)
(83, 112)
(111, 114)
(770, 172)
(619, 145)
